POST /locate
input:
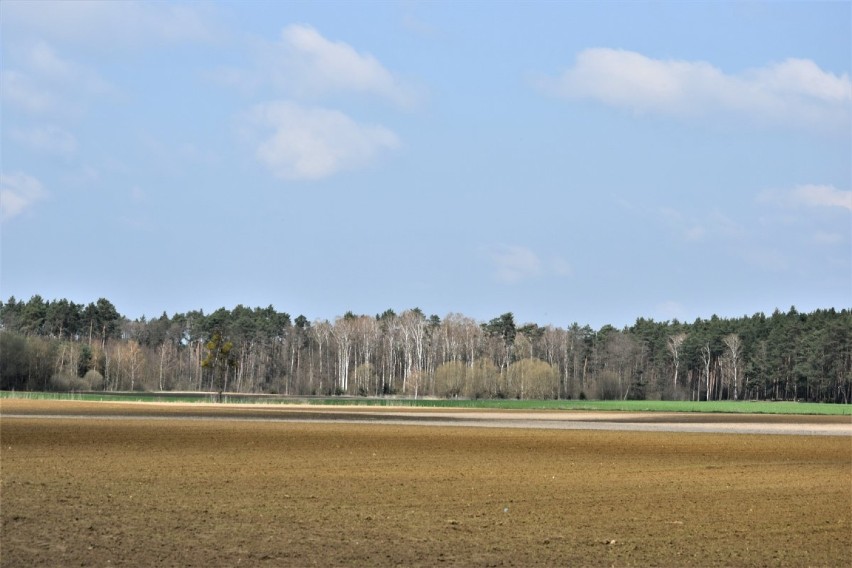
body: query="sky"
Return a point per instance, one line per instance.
(590, 162)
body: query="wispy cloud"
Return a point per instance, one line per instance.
(40, 81)
(715, 230)
(47, 139)
(822, 196)
(18, 192)
(560, 266)
(297, 142)
(305, 65)
(116, 24)
(319, 65)
(827, 238)
(82, 175)
(798, 225)
(710, 225)
(809, 196)
(795, 92)
(20, 90)
(513, 263)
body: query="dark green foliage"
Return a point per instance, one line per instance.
(532, 331)
(502, 327)
(221, 359)
(26, 362)
(85, 361)
(14, 367)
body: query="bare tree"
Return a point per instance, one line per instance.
(322, 332)
(735, 347)
(389, 326)
(452, 336)
(705, 357)
(621, 357)
(343, 333)
(674, 343)
(166, 353)
(368, 334)
(412, 324)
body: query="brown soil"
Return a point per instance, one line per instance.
(178, 492)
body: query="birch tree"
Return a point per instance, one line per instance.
(322, 333)
(734, 344)
(674, 343)
(343, 334)
(705, 358)
(413, 327)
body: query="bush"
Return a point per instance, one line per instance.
(532, 379)
(450, 379)
(93, 380)
(608, 386)
(61, 383)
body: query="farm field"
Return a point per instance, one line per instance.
(99, 484)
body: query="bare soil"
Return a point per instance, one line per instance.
(91, 484)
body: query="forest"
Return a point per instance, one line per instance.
(63, 346)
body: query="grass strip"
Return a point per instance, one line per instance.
(731, 407)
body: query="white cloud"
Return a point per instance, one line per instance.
(305, 65)
(803, 77)
(18, 191)
(44, 61)
(822, 196)
(50, 139)
(711, 225)
(18, 89)
(794, 92)
(826, 238)
(50, 83)
(320, 65)
(297, 142)
(515, 263)
(810, 196)
(560, 266)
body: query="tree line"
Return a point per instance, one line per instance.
(60, 345)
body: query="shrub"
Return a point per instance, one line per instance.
(68, 383)
(609, 387)
(93, 380)
(59, 383)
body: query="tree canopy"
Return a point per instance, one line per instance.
(60, 345)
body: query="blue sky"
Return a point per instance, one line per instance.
(566, 161)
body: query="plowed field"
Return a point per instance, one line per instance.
(188, 490)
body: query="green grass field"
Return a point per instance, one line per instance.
(742, 407)
(733, 407)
